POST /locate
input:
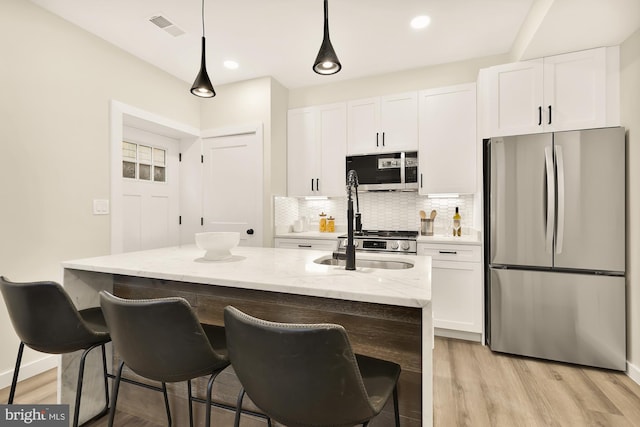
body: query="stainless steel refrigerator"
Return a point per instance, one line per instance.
(555, 247)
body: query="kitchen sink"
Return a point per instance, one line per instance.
(366, 263)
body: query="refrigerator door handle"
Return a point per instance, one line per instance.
(549, 223)
(560, 219)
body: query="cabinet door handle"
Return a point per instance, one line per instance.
(305, 246)
(317, 184)
(539, 115)
(383, 138)
(311, 184)
(421, 180)
(377, 135)
(549, 114)
(448, 252)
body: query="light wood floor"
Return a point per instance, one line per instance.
(475, 387)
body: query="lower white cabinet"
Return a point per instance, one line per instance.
(456, 287)
(316, 244)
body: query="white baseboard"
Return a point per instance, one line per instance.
(28, 370)
(633, 372)
(460, 335)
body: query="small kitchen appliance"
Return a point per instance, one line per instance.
(385, 172)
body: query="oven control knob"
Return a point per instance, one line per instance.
(356, 243)
(344, 243)
(405, 246)
(394, 245)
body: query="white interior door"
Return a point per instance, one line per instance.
(232, 185)
(150, 190)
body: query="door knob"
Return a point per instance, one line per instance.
(250, 231)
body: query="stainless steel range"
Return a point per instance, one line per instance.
(401, 242)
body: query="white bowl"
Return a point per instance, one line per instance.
(217, 244)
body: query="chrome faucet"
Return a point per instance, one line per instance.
(352, 184)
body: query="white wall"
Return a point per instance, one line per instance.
(630, 117)
(56, 82)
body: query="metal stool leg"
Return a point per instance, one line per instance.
(106, 380)
(236, 423)
(207, 421)
(166, 402)
(12, 393)
(83, 358)
(396, 409)
(190, 395)
(114, 395)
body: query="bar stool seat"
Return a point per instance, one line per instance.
(46, 320)
(162, 340)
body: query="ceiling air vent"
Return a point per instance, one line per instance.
(163, 23)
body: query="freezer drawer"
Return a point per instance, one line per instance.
(575, 318)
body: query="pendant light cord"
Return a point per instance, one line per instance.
(326, 16)
(202, 18)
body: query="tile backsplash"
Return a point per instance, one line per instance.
(380, 210)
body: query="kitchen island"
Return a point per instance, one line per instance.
(387, 314)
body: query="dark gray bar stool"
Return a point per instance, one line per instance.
(162, 340)
(307, 374)
(46, 320)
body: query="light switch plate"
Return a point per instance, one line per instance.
(100, 206)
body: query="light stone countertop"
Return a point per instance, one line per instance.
(277, 270)
(471, 237)
(315, 235)
(465, 239)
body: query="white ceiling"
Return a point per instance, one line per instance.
(280, 38)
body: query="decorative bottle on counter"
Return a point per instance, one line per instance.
(457, 226)
(331, 224)
(323, 222)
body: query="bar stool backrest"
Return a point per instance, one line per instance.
(45, 318)
(298, 374)
(160, 339)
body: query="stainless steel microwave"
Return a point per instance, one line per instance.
(384, 172)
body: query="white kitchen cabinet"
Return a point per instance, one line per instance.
(456, 288)
(447, 139)
(315, 244)
(577, 90)
(316, 150)
(383, 124)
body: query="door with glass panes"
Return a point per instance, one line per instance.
(150, 190)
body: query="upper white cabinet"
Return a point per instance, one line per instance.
(447, 140)
(383, 124)
(564, 92)
(316, 150)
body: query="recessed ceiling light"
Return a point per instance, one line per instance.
(232, 65)
(420, 22)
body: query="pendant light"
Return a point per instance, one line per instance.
(202, 86)
(327, 61)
